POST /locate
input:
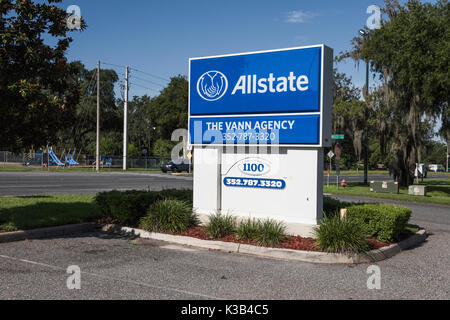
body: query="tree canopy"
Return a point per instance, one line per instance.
(38, 88)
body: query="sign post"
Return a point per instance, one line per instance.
(330, 155)
(259, 123)
(338, 151)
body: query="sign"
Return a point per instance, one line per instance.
(261, 98)
(337, 137)
(330, 154)
(255, 183)
(279, 98)
(290, 129)
(189, 155)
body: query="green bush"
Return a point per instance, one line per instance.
(383, 221)
(270, 233)
(265, 233)
(332, 207)
(128, 207)
(248, 229)
(341, 236)
(169, 216)
(220, 225)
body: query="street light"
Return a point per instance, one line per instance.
(364, 33)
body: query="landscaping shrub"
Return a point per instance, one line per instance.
(341, 236)
(383, 221)
(270, 233)
(332, 207)
(248, 229)
(182, 195)
(128, 207)
(220, 225)
(265, 233)
(169, 216)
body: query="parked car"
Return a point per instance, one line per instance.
(173, 167)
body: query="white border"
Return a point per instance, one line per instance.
(322, 71)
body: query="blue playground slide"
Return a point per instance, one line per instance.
(70, 160)
(55, 158)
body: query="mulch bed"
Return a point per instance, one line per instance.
(292, 242)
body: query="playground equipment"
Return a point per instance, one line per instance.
(69, 159)
(55, 158)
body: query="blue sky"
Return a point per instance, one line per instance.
(158, 37)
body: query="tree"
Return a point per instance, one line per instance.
(39, 92)
(410, 54)
(169, 111)
(81, 134)
(140, 124)
(350, 114)
(163, 148)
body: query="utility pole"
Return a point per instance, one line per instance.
(446, 169)
(366, 162)
(97, 161)
(364, 33)
(125, 123)
(48, 159)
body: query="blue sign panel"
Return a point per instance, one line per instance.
(286, 81)
(283, 129)
(255, 183)
(278, 97)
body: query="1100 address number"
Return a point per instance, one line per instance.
(255, 183)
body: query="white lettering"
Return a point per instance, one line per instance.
(251, 84)
(302, 80)
(271, 81)
(240, 85)
(282, 84)
(262, 85)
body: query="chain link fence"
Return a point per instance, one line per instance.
(39, 159)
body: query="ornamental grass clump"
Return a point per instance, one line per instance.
(220, 225)
(341, 236)
(169, 215)
(248, 229)
(270, 233)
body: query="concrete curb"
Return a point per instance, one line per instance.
(284, 254)
(47, 232)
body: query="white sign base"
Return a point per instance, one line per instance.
(298, 203)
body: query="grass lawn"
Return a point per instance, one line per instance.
(438, 192)
(31, 212)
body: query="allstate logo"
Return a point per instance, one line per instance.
(212, 85)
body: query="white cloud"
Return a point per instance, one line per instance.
(298, 16)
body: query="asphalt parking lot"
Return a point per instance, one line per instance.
(122, 268)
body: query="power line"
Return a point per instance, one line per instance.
(149, 74)
(135, 69)
(135, 84)
(112, 64)
(155, 83)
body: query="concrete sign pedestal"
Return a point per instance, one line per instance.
(289, 189)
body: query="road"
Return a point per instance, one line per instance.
(122, 268)
(38, 182)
